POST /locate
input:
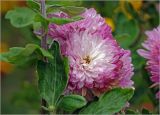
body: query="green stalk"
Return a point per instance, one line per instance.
(44, 33)
(44, 46)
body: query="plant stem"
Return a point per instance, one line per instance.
(43, 45)
(44, 34)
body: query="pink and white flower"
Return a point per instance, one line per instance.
(96, 61)
(152, 54)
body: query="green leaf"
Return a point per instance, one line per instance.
(145, 111)
(64, 3)
(44, 22)
(126, 27)
(138, 62)
(12, 53)
(56, 20)
(53, 8)
(110, 102)
(33, 5)
(72, 102)
(123, 39)
(53, 76)
(66, 64)
(109, 8)
(20, 55)
(20, 17)
(37, 26)
(132, 11)
(60, 21)
(30, 48)
(129, 111)
(72, 10)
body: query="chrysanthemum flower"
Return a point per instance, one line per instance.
(97, 63)
(152, 54)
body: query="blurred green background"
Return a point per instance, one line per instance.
(128, 19)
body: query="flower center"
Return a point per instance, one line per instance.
(87, 59)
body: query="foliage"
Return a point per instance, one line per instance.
(20, 55)
(20, 19)
(70, 103)
(110, 102)
(53, 76)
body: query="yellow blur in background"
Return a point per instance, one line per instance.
(5, 67)
(136, 4)
(9, 4)
(110, 22)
